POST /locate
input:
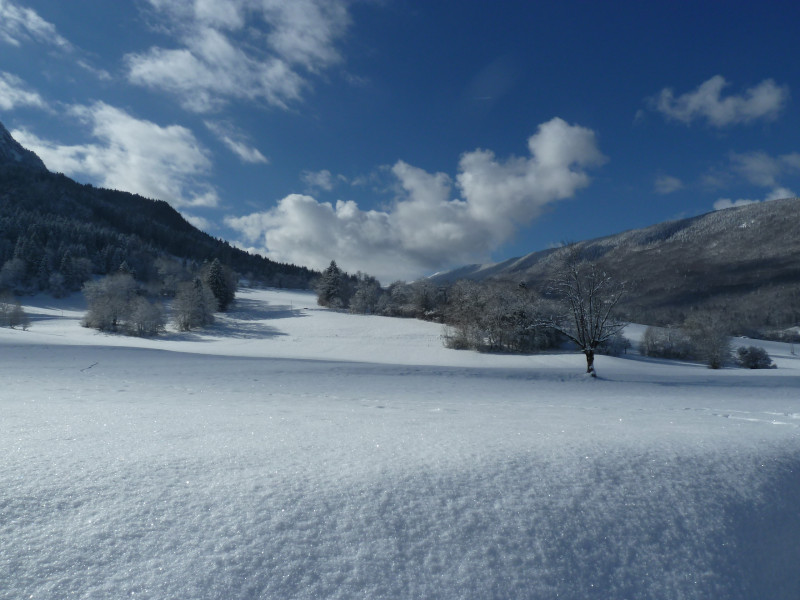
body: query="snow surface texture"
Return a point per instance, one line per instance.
(294, 452)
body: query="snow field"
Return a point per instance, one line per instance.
(212, 466)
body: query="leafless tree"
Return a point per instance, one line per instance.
(585, 301)
(709, 335)
(194, 305)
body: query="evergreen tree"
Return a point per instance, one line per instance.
(221, 283)
(331, 286)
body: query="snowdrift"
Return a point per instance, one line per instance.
(293, 452)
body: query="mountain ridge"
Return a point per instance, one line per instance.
(49, 223)
(722, 259)
(12, 152)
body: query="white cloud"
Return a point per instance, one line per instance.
(199, 222)
(19, 25)
(166, 163)
(666, 184)
(13, 93)
(321, 180)
(724, 203)
(252, 50)
(237, 142)
(763, 101)
(762, 169)
(426, 229)
(778, 193)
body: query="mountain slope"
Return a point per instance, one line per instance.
(11, 152)
(745, 260)
(48, 220)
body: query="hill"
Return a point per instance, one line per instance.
(51, 225)
(745, 260)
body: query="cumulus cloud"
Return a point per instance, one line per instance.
(166, 163)
(724, 203)
(260, 51)
(19, 25)
(666, 184)
(426, 228)
(236, 141)
(199, 222)
(776, 194)
(763, 101)
(14, 93)
(763, 170)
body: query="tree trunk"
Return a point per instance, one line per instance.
(589, 352)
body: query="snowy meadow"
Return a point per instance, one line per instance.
(289, 451)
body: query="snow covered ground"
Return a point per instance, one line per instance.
(294, 452)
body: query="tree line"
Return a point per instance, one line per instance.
(118, 303)
(56, 234)
(581, 304)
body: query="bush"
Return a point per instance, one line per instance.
(666, 342)
(616, 345)
(110, 302)
(709, 338)
(146, 319)
(11, 313)
(194, 305)
(753, 357)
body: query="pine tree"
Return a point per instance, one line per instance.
(330, 288)
(219, 281)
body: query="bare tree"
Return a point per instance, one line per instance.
(11, 313)
(709, 335)
(585, 301)
(110, 300)
(194, 305)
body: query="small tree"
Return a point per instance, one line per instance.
(13, 275)
(194, 305)
(222, 283)
(586, 298)
(366, 295)
(666, 342)
(110, 301)
(753, 357)
(146, 319)
(709, 338)
(331, 287)
(12, 314)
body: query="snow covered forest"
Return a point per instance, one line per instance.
(292, 451)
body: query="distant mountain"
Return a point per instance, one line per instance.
(52, 226)
(745, 260)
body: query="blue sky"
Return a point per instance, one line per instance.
(404, 137)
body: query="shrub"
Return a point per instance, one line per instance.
(194, 305)
(11, 313)
(110, 301)
(616, 345)
(709, 338)
(753, 357)
(666, 342)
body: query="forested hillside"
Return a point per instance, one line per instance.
(56, 233)
(744, 261)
